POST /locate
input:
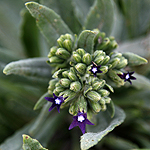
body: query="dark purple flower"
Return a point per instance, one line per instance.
(95, 69)
(127, 76)
(81, 121)
(57, 101)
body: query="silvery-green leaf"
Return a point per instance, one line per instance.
(29, 143)
(105, 124)
(99, 16)
(34, 68)
(134, 59)
(86, 40)
(49, 23)
(41, 101)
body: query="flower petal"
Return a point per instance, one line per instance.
(50, 99)
(82, 126)
(73, 124)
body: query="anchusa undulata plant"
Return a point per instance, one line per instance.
(84, 71)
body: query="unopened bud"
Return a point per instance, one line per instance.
(72, 76)
(98, 84)
(104, 69)
(59, 89)
(96, 107)
(52, 84)
(99, 60)
(52, 51)
(62, 53)
(103, 107)
(80, 51)
(65, 82)
(114, 62)
(103, 92)
(87, 58)
(60, 40)
(81, 68)
(75, 86)
(114, 77)
(55, 59)
(102, 101)
(65, 73)
(93, 95)
(77, 57)
(82, 104)
(107, 100)
(68, 45)
(106, 60)
(123, 62)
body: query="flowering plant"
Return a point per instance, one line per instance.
(86, 71)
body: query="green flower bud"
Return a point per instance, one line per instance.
(57, 84)
(93, 95)
(72, 76)
(65, 82)
(99, 60)
(113, 45)
(106, 60)
(52, 84)
(65, 73)
(123, 62)
(62, 53)
(99, 84)
(69, 37)
(114, 77)
(80, 51)
(68, 45)
(96, 107)
(114, 62)
(69, 94)
(81, 68)
(60, 40)
(58, 73)
(87, 58)
(73, 108)
(103, 92)
(102, 101)
(52, 51)
(55, 59)
(104, 69)
(98, 53)
(82, 104)
(107, 99)
(75, 86)
(77, 57)
(103, 107)
(104, 44)
(119, 55)
(55, 92)
(59, 89)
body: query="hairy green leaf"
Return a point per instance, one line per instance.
(29, 143)
(105, 124)
(49, 23)
(34, 68)
(101, 16)
(134, 59)
(86, 40)
(41, 101)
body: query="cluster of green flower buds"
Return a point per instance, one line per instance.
(59, 55)
(85, 79)
(105, 43)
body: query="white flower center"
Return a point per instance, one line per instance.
(81, 118)
(57, 101)
(94, 69)
(127, 76)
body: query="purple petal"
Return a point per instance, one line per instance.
(133, 78)
(53, 105)
(122, 76)
(73, 124)
(82, 126)
(54, 96)
(58, 108)
(88, 122)
(50, 99)
(130, 73)
(99, 71)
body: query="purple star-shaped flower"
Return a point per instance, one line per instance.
(127, 76)
(81, 121)
(95, 69)
(57, 101)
